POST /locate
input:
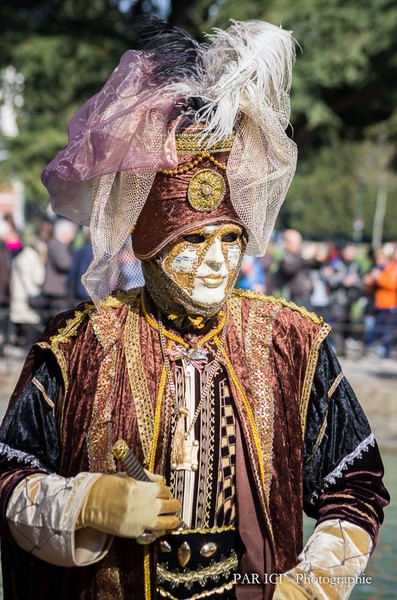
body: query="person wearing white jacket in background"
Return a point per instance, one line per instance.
(27, 277)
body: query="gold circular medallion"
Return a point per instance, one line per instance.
(206, 190)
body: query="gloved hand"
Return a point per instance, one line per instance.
(125, 507)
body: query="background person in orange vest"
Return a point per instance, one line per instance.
(383, 282)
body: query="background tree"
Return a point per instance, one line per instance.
(344, 90)
(65, 51)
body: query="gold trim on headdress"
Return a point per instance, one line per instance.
(206, 190)
(193, 143)
(193, 164)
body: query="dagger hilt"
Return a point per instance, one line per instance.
(129, 461)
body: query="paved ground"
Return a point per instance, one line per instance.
(373, 379)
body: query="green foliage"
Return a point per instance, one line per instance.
(27, 159)
(344, 95)
(322, 196)
(343, 75)
(344, 78)
(333, 187)
(61, 71)
(65, 57)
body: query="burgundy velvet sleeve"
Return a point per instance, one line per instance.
(343, 471)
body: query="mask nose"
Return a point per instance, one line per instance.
(214, 257)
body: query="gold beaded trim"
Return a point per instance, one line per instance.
(193, 144)
(107, 329)
(260, 324)
(198, 596)
(211, 572)
(137, 379)
(234, 306)
(204, 530)
(203, 156)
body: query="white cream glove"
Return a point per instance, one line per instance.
(124, 507)
(334, 556)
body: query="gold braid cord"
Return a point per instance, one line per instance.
(138, 383)
(323, 427)
(309, 375)
(63, 335)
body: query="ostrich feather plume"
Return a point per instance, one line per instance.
(244, 69)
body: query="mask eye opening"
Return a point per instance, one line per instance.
(231, 237)
(194, 238)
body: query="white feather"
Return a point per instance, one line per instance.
(246, 69)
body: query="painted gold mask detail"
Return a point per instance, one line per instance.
(205, 262)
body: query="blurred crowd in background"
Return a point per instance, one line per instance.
(353, 287)
(40, 276)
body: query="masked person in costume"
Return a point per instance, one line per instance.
(232, 401)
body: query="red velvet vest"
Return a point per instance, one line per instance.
(115, 386)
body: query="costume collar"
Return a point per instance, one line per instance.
(191, 336)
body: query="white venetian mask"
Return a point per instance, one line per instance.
(205, 262)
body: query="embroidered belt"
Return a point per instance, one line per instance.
(198, 564)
